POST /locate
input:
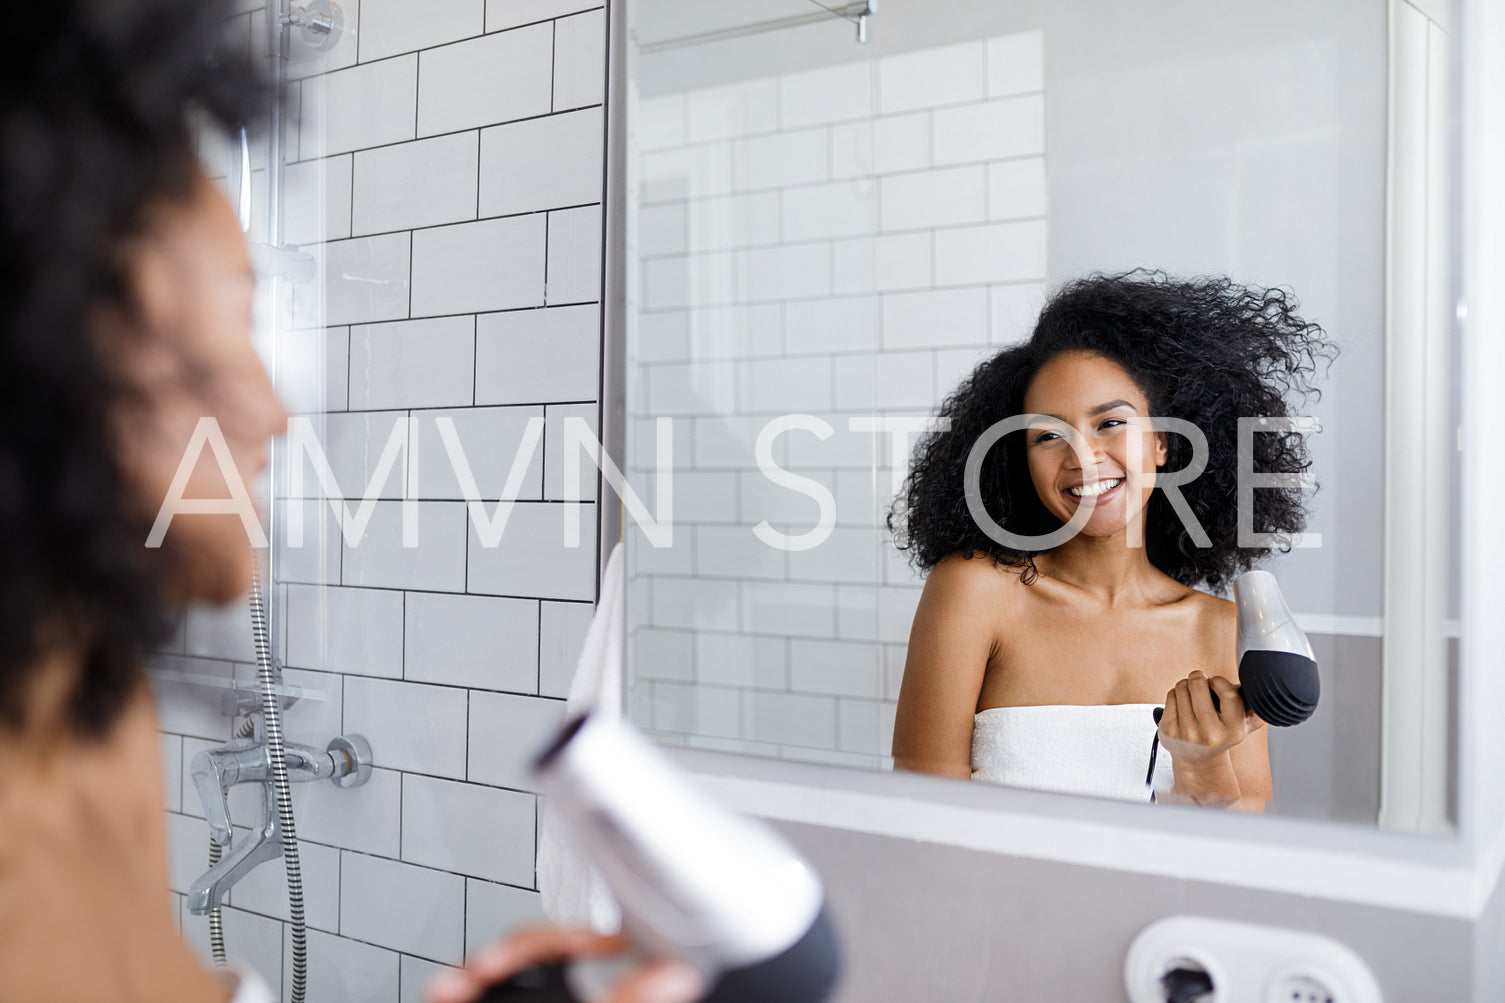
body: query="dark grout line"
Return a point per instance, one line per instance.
(436, 316)
(482, 127)
(475, 358)
(479, 149)
(438, 685)
(703, 254)
(484, 33)
(339, 888)
(553, 63)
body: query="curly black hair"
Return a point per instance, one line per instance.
(1206, 350)
(94, 132)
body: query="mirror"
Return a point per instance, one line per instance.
(837, 215)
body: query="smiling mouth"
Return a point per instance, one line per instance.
(1094, 489)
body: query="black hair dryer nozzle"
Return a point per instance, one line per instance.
(1277, 670)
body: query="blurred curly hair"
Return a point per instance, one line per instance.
(94, 132)
(1207, 350)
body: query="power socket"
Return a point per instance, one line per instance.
(1248, 963)
(1303, 989)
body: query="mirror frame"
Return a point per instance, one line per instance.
(1451, 875)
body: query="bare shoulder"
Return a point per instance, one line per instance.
(1217, 625)
(953, 636)
(1216, 608)
(975, 574)
(964, 600)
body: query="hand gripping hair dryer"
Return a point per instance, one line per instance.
(1276, 667)
(696, 882)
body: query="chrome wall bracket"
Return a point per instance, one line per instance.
(320, 23)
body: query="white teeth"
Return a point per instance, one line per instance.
(1098, 488)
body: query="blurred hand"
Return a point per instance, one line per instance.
(1193, 732)
(655, 982)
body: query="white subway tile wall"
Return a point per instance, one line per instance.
(574, 259)
(496, 78)
(579, 60)
(358, 108)
(530, 356)
(410, 185)
(541, 163)
(840, 242)
(446, 176)
(409, 364)
(390, 27)
(479, 451)
(365, 279)
(493, 264)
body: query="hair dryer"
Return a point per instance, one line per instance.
(1276, 666)
(696, 882)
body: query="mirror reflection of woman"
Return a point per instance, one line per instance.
(1042, 668)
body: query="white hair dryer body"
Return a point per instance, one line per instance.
(717, 890)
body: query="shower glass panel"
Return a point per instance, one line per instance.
(427, 234)
(208, 684)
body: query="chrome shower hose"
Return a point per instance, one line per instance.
(271, 712)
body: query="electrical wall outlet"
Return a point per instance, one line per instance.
(1303, 989)
(1247, 963)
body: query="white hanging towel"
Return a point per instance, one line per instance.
(246, 986)
(573, 892)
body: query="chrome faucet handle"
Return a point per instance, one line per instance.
(215, 771)
(208, 779)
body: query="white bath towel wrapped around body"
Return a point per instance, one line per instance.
(1097, 749)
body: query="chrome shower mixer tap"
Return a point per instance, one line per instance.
(345, 762)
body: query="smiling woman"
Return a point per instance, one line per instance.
(1038, 667)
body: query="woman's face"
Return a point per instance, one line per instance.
(186, 353)
(1096, 398)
